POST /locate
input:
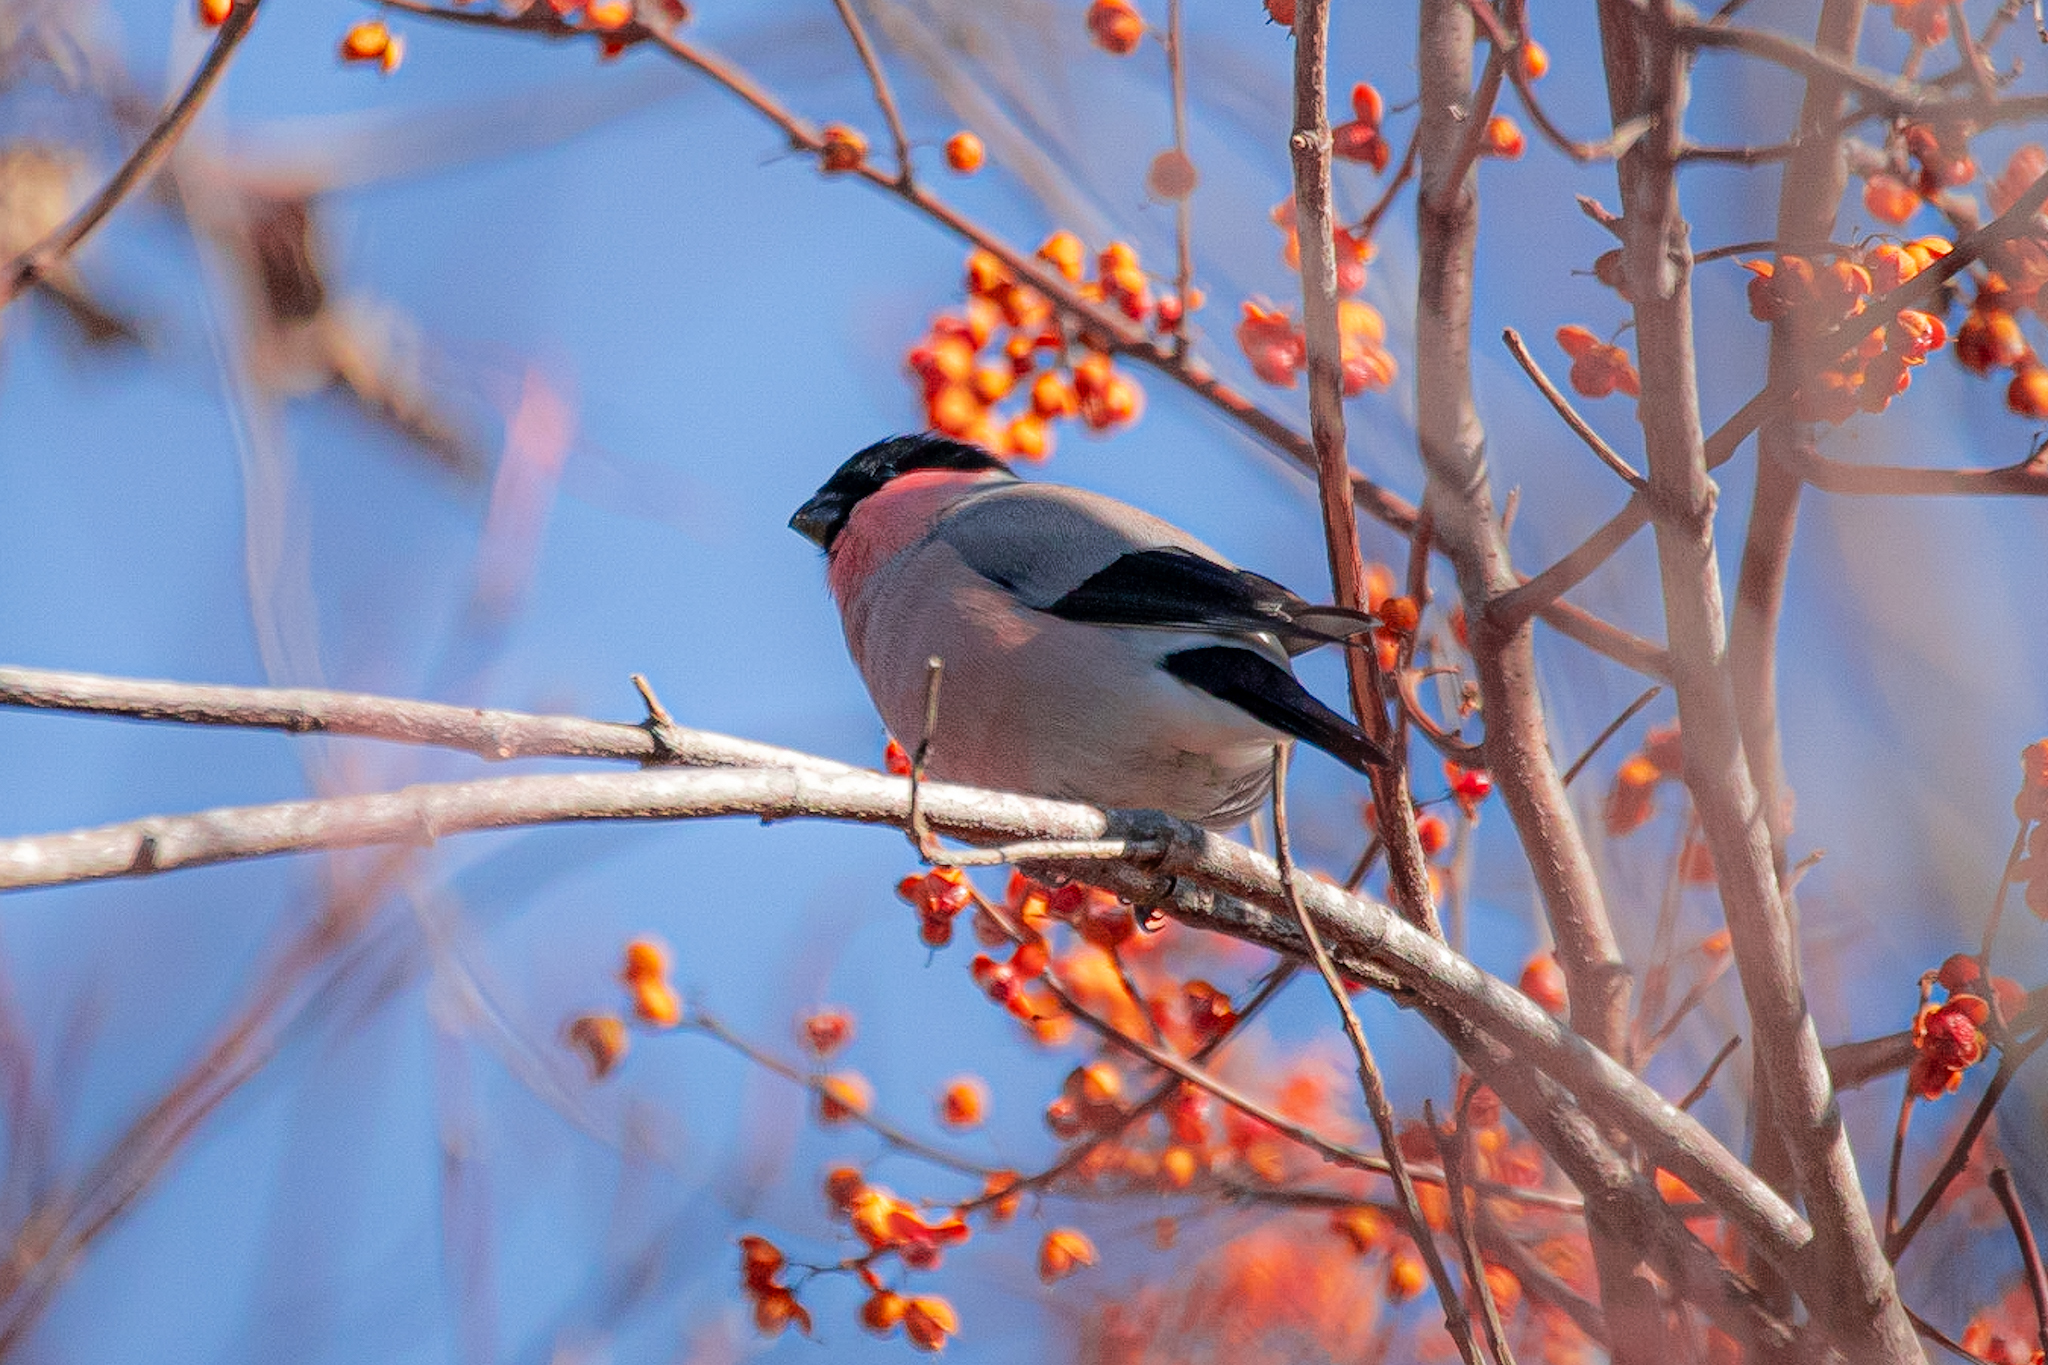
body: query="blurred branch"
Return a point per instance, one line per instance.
(2028, 477)
(29, 267)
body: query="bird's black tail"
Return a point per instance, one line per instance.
(1271, 695)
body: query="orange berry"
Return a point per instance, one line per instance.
(1502, 138)
(1364, 1227)
(646, 960)
(1004, 1197)
(761, 1263)
(657, 1004)
(826, 1031)
(1367, 105)
(954, 410)
(214, 13)
(883, 1312)
(964, 153)
(1543, 982)
(992, 383)
(602, 1039)
(1172, 176)
(1281, 12)
(842, 1095)
(844, 148)
(1534, 59)
(1097, 1085)
(1052, 396)
(2027, 395)
(1406, 1277)
(964, 1104)
(1177, 1168)
(1028, 437)
(365, 42)
(776, 1310)
(1116, 26)
(1576, 341)
(1990, 339)
(1889, 199)
(928, 1320)
(606, 15)
(1063, 252)
(1401, 614)
(1432, 833)
(843, 1185)
(1064, 1251)
(986, 272)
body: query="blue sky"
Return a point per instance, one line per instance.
(414, 1172)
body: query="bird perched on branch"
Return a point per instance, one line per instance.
(1090, 650)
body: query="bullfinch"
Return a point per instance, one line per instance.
(1091, 651)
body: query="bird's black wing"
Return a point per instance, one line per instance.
(1270, 695)
(1178, 588)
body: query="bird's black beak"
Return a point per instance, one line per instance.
(819, 520)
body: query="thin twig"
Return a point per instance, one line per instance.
(700, 1021)
(920, 835)
(1309, 153)
(883, 96)
(1455, 1146)
(2010, 1059)
(1403, 173)
(1628, 713)
(1183, 206)
(1456, 1320)
(2030, 1250)
(1563, 406)
(33, 264)
(1706, 1080)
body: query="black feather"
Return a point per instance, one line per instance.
(1179, 588)
(825, 515)
(1270, 694)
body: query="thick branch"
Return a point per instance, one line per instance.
(1200, 877)
(1848, 1286)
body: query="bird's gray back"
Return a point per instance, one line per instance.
(1043, 540)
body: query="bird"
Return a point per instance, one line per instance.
(1090, 651)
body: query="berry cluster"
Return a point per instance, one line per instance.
(1007, 343)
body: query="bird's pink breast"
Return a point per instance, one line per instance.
(890, 519)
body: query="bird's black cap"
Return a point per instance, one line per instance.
(821, 519)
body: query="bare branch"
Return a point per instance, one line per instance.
(1199, 877)
(884, 98)
(2030, 1251)
(1563, 406)
(1315, 224)
(32, 265)
(1456, 1321)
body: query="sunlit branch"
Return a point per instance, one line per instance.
(1200, 878)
